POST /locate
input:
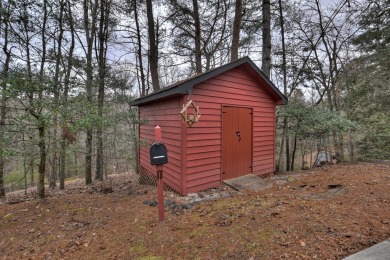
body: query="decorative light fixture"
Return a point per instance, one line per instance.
(191, 119)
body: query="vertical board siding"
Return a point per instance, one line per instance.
(166, 115)
(203, 140)
(195, 153)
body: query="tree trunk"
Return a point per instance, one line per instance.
(281, 148)
(198, 52)
(341, 145)
(42, 159)
(2, 157)
(90, 31)
(293, 153)
(329, 148)
(153, 51)
(336, 99)
(208, 61)
(25, 168)
(139, 50)
(288, 165)
(76, 173)
(266, 59)
(302, 155)
(334, 133)
(284, 69)
(39, 115)
(311, 152)
(88, 157)
(62, 164)
(103, 36)
(54, 159)
(32, 163)
(3, 108)
(65, 97)
(288, 156)
(350, 146)
(236, 30)
(101, 69)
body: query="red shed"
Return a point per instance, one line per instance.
(235, 134)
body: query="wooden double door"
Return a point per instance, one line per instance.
(236, 142)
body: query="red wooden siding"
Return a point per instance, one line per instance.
(203, 141)
(166, 115)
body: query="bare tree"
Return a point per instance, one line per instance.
(266, 58)
(38, 114)
(65, 132)
(323, 63)
(236, 30)
(139, 50)
(197, 36)
(199, 33)
(153, 47)
(34, 86)
(90, 11)
(57, 83)
(215, 35)
(285, 91)
(105, 6)
(4, 28)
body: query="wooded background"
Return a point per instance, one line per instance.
(70, 68)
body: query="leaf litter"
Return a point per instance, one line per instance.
(325, 213)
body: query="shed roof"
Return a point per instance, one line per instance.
(185, 86)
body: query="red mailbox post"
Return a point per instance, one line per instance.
(159, 171)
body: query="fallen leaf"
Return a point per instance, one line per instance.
(9, 215)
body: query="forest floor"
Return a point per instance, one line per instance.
(324, 213)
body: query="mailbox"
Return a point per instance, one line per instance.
(158, 154)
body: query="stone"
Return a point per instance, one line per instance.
(151, 203)
(197, 199)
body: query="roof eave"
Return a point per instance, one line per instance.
(159, 96)
(187, 86)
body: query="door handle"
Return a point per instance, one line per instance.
(238, 135)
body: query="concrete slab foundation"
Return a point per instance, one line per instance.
(248, 182)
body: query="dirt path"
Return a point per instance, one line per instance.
(326, 213)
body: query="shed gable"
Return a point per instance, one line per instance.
(235, 88)
(195, 153)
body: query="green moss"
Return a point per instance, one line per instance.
(68, 207)
(250, 246)
(225, 204)
(264, 235)
(199, 232)
(141, 225)
(151, 258)
(138, 247)
(8, 216)
(291, 179)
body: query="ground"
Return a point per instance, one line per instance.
(325, 213)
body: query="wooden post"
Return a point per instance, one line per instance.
(160, 182)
